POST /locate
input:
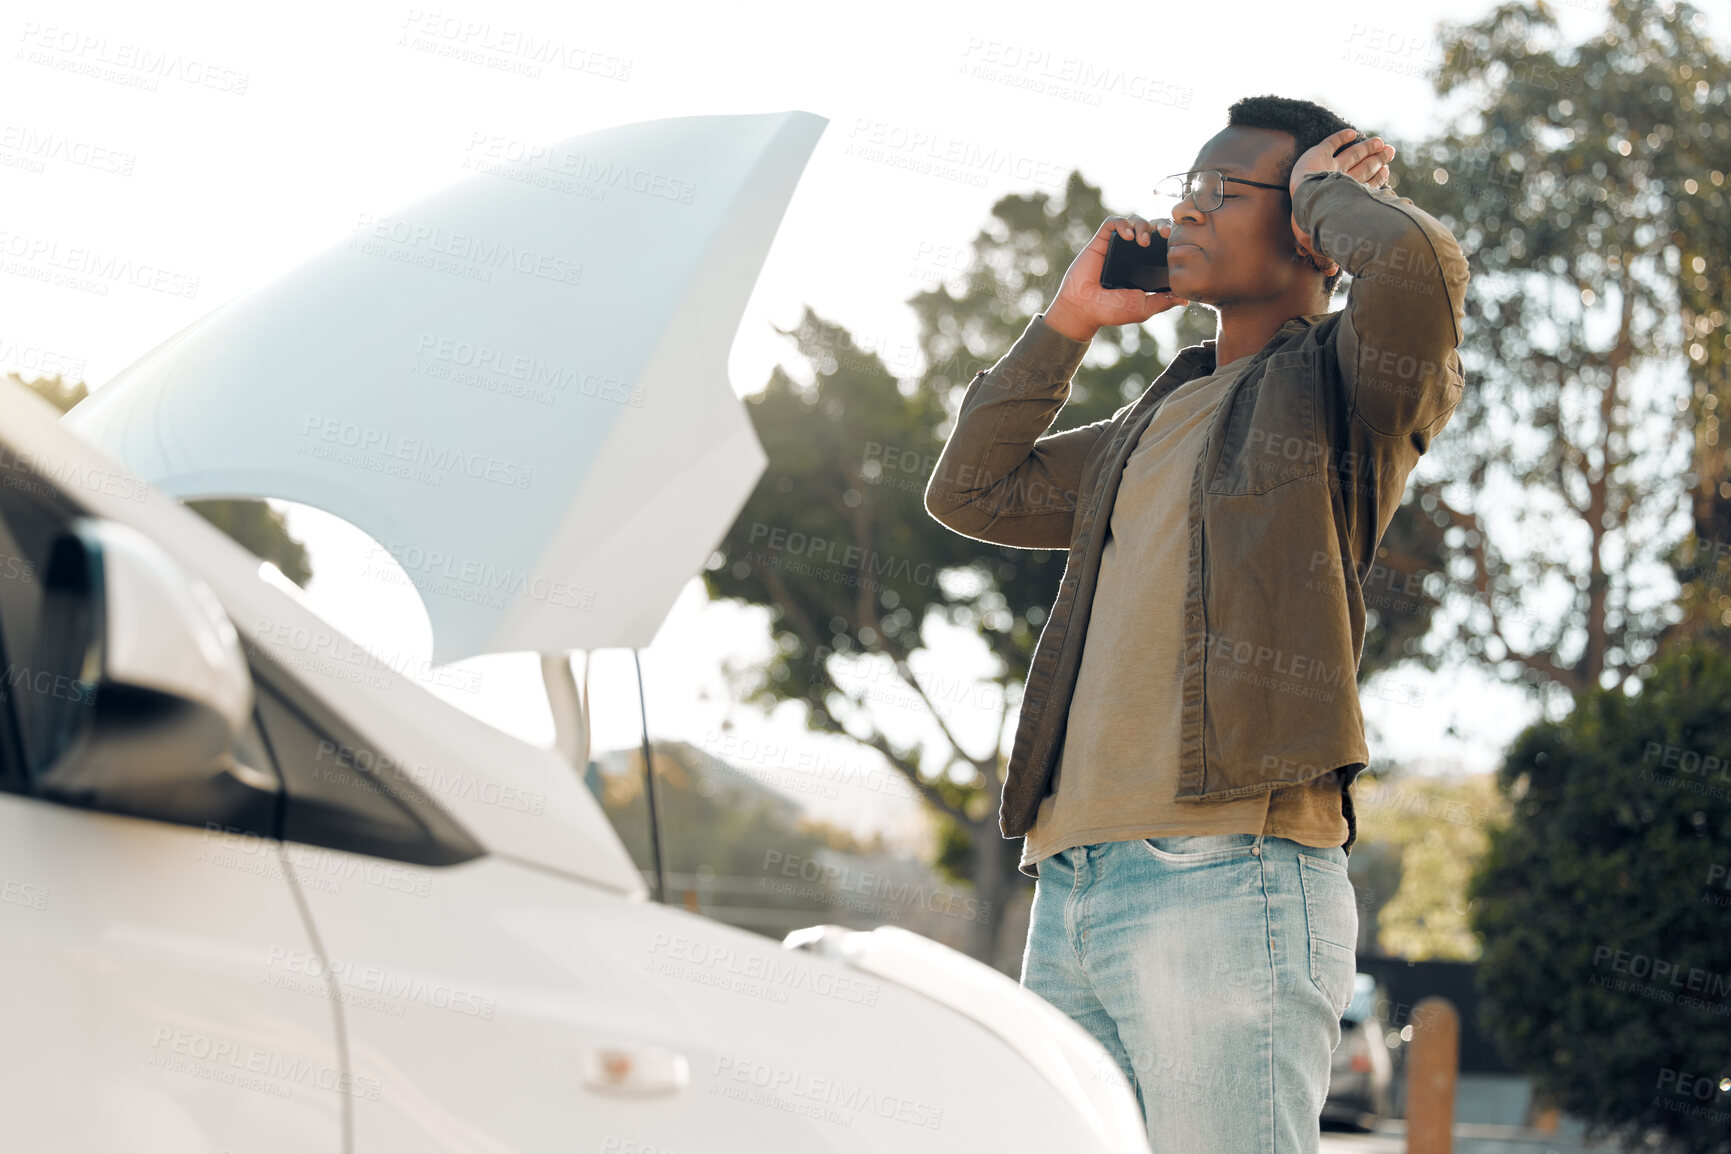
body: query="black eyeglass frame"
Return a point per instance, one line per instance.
(1189, 189)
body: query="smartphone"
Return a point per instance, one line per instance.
(1129, 265)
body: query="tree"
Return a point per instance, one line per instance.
(1581, 180)
(860, 580)
(1604, 906)
(254, 524)
(717, 825)
(740, 850)
(1698, 175)
(1436, 830)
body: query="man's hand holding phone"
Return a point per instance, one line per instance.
(1082, 307)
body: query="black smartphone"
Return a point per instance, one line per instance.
(1131, 266)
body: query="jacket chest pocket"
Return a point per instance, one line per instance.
(1273, 433)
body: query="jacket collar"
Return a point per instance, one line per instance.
(1203, 354)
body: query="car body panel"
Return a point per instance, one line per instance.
(480, 1041)
(139, 1012)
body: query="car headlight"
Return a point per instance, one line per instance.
(1069, 1057)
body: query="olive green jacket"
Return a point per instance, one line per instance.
(1305, 463)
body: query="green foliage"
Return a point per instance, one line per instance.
(713, 822)
(1401, 590)
(60, 393)
(1584, 182)
(1612, 866)
(261, 529)
(850, 456)
(1438, 829)
(254, 524)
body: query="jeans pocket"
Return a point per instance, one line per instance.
(1194, 849)
(1332, 914)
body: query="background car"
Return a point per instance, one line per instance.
(1362, 1074)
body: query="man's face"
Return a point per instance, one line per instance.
(1243, 250)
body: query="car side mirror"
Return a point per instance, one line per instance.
(137, 680)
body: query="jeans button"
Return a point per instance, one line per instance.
(1255, 851)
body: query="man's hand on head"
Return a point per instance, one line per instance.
(1366, 161)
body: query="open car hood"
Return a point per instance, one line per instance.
(517, 385)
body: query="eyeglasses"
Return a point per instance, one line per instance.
(1208, 188)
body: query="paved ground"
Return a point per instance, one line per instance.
(1335, 1142)
(1390, 1138)
(1489, 1114)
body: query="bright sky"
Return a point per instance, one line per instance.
(267, 134)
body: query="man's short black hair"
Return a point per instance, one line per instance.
(1308, 122)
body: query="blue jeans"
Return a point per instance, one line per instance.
(1214, 969)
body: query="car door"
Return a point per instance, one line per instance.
(408, 910)
(143, 1007)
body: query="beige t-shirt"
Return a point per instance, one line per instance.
(1118, 768)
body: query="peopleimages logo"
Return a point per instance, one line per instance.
(523, 45)
(584, 168)
(836, 1092)
(47, 683)
(822, 550)
(461, 246)
(42, 257)
(845, 881)
(1071, 77)
(21, 470)
(531, 370)
(251, 1067)
(442, 459)
(386, 983)
(1673, 974)
(936, 153)
(433, 779)
(39, 147)
(89, 54)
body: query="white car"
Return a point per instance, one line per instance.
(259, 891)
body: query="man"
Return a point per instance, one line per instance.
(1190, 728)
